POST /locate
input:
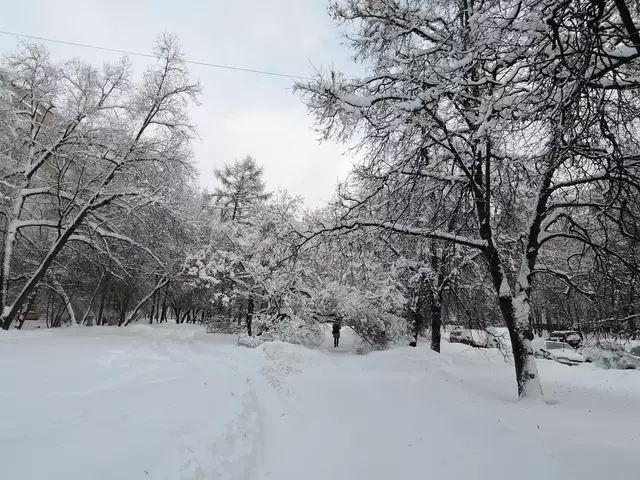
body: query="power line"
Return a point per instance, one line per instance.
(149, 55)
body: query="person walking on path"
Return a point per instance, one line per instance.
(336, 334)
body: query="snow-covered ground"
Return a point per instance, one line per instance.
(174, 403)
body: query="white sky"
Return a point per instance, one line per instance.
(241, 113)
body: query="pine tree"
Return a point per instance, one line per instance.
(241, 186)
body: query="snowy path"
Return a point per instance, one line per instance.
(167, 403)
(401, 414)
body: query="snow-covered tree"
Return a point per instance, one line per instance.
(80, 147)
(252, 259)
(521, 115)
(241, 187)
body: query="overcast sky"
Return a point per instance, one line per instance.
(241, 113)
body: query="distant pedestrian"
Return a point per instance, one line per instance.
(336, 334)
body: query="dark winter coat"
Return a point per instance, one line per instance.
(336, 330)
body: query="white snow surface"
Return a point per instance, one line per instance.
(172, 402)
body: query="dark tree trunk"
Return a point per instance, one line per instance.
(250, 316)
(163, 315)
(105, 289)
(57, 316)
(123, 310)
(235, 210)
(157, 307)
(436, 323)
(418, 324)
(435, 297)
(49, 311)
(153, 308)
(26, 308)
(416, 312)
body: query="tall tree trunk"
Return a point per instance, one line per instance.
(435, 292)
(49, 312)
(67, 301)
(57, 320)
(163, 315)
(436, 322)
(28, 305)
(95, 293)
(153, 309)
(235, 210)
(250, 316)
(123, 310)
(514, 305)
(105, 289)
(156, 307)
(418, 321)
(515, 309)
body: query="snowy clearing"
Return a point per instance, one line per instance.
(175, 403)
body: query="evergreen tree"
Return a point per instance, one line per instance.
(241, 186)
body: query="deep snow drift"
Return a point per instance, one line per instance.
(174, 403)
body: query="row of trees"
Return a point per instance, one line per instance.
(497, 184)
(94, 181)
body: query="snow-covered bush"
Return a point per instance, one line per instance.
(609, 354)
(221, 324)
(283, 329)
(290, 330)
(245, 340)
